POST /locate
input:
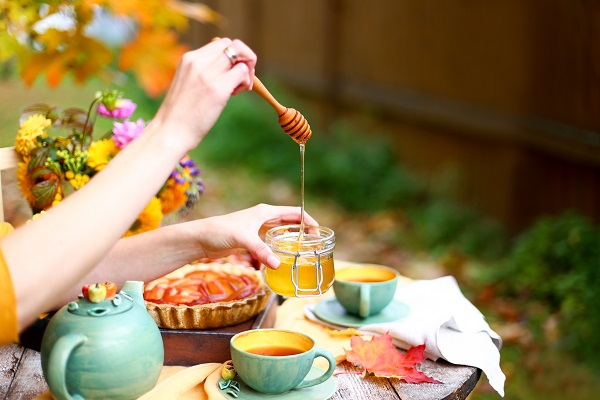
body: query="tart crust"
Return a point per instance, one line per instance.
(211, 315)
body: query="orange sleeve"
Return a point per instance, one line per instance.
(9, 326)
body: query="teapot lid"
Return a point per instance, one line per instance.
(120, 303)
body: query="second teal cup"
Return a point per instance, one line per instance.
(365, 290)
(275, 361)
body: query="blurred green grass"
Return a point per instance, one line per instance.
(15, 96)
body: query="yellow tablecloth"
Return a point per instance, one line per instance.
(181, 383)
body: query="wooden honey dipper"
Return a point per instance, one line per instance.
(290, 120)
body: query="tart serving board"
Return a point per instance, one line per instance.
(191, 347)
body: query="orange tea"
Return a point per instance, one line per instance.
(274, 351)
(366, 280)
(286, 358)
(365, 290)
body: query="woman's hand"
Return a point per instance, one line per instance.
(160, 251)
(246, 229)
(205, 80)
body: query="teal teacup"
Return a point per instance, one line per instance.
(276, 361)
(365, 290)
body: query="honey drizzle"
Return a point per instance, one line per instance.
(302, 150)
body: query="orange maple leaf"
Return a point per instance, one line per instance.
(153, 57)
(379, 357)
(83, 56)
(150, 14)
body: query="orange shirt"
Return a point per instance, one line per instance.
(9, 327)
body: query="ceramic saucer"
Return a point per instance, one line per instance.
(331, 311)
(318, 392)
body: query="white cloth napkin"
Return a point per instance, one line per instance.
(450, 326)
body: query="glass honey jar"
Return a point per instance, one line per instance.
(306, 267)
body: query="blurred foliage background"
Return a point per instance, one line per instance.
(537, 285)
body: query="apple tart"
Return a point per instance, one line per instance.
(206, 296)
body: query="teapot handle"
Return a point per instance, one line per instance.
(57, 362)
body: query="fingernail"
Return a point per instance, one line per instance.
(273, 261)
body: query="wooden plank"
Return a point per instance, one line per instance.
(29, 379)
(8, 158)
(351, 386)
(10, 356)
(457, 382)
(191, 347)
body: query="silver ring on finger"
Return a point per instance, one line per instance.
(231, 55)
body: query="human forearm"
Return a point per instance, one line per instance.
(142, 257)
(152, 254)
(47, 256)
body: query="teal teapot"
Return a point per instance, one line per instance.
(108, 349)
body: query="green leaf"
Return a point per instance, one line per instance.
(44, 193)
(42, 174)
(38, 159)
(67, 188)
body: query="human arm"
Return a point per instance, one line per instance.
(155, 253)
(52, 253)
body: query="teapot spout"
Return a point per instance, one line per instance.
(135, 289)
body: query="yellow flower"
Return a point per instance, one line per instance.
(148, 220)
(101, 152)
(24, 181)
(173, 196)
(36, 216)
(57, 198)
(77, 180)
(33, 127)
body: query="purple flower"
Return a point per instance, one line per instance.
(122, 109)
(124, 133)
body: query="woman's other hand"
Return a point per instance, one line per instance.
(246, 229)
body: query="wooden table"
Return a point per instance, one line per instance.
(21, 378)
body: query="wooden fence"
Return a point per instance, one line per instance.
(505, 93)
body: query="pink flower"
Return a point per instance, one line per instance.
(123, 108)
(124, 133)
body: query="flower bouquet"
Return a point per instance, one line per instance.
(54, 166)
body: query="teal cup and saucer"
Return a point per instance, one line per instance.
(278, 364)
(364, 295)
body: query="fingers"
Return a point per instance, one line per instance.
(230, 63)
(243, 63)
(240, 73)
(291, 215)
(236, 60)
(237, 52)
(264, 254)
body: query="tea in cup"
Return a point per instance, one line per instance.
(276, 361)
(365, 290)
(306, 267)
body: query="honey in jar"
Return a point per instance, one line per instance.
(306, 257)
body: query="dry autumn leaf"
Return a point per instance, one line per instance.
(379, 357)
